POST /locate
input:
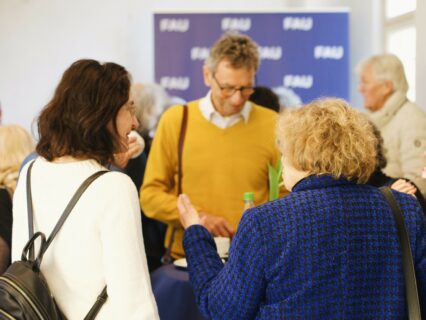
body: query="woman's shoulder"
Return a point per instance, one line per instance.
(407, 202)
(115, 182)
(408, 114)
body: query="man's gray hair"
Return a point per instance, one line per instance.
(386, 67)
(239, 49)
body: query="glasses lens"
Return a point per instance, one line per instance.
(227, 92)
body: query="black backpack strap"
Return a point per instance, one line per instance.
(30, 208)
(411, 292)
(102, 298)
(72, 203)
(86, 183)
(64, 215)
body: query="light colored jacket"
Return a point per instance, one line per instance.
(402, 125)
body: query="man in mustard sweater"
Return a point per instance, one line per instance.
(228, 145)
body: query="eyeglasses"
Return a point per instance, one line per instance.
(229, 91)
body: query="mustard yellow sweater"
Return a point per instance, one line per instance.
(218, 166)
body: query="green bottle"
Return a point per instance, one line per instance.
(248, 198)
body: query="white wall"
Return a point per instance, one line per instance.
(421, 54)
(40, 38)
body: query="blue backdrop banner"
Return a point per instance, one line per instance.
(304, 55)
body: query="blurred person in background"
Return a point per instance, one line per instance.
(329, 249)
(15, 144)
(401, 123)
(150, 101)
(379, 178)
(265, 97)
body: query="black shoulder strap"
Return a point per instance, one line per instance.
(86, 183)
(65, 213)
(103, 296)
(30, 208)
(411, 292)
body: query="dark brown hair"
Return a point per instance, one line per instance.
(85, 103)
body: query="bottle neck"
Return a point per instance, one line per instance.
(248, 204)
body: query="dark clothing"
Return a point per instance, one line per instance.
(5, 216)
(5, 229)
(379, 179)
(135, 169)
(153, 231)
(328, 250)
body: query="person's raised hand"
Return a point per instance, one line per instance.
(135, 146)
(188, 215)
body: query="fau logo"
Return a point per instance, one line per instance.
(329, 52)
(175, 83)
(236, 24)
(270, 53)
(298, 23)
(298, 81)
(174, 25)
(199, 53)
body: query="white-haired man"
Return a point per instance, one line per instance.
(401, 123)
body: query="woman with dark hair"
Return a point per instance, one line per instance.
(86, 122)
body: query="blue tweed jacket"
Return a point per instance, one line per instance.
(328, 250)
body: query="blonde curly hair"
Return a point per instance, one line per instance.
(327, 136)
(15, 144)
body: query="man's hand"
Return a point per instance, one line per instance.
(217, 226)
(404, 186)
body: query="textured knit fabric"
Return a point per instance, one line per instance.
(219, 165)
(100, 242)
(328, 250)
(379, 179)
(402, 125)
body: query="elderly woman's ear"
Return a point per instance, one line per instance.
(290, 174)
(388, 87)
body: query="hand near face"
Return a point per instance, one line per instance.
(187, 213)
(135, 147)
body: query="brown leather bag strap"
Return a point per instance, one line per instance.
(167, 258)
(180, 146)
